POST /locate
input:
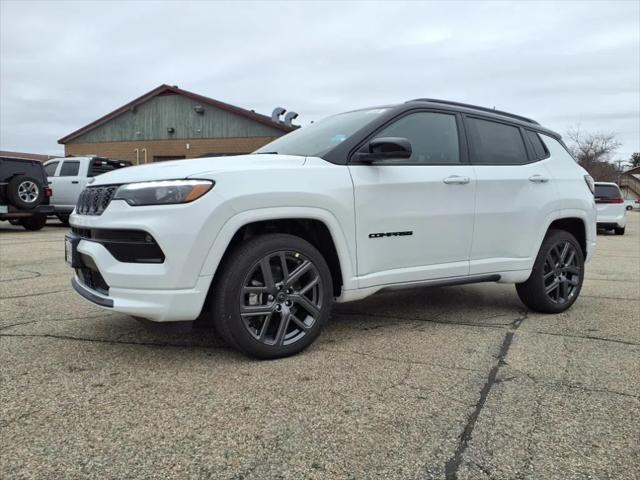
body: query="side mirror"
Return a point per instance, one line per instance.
(386, 148)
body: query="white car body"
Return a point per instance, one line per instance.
(67, 185)
(611, 210)
(468, 223)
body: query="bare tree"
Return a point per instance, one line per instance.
(594, 151)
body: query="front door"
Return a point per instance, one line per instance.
(66, 184)
(414, 217)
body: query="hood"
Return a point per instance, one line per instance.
(177, 169)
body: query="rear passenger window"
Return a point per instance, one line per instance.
(433, 137)
(496, 143)
(539, 148)
(69, 169)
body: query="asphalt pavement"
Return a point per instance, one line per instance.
(443, 383)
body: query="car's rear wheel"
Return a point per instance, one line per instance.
(272, 296)
(25, 192)
(557, 275)
(34, 222)
(619, 231)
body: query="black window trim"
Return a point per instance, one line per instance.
(527, 147)
(462, 144)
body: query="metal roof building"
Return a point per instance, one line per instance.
(169, 123)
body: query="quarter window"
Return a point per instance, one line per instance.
(496, 143)
(539, 148)
(433, 137)
(69, 169)
(50, 169)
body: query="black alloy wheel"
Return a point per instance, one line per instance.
(557, 275)
(272, 296)
(281, 298)
(561, 272)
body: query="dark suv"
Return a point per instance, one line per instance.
(24, 193)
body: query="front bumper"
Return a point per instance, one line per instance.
(156, 305)
(172, 289)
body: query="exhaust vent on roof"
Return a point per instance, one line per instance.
(277, 112)
(289, 118)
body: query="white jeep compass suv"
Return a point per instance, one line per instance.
(427, 192)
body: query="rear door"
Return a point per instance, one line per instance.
(515, 194)
(414, 217)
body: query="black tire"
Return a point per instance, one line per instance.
(14, 221)
(277, 334)
(535, 293)
(64, 219)
(619, 231)
(25, 192)
(629, 208)
(34, 222)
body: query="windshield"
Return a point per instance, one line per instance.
(318, 138)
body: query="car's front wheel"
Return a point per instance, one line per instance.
(619, 230)
(557, 275)
(272, 296)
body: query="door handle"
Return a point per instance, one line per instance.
(74, 181)
(456, 180)
(538, 179)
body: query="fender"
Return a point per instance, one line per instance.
(234, 223)
(559, 215)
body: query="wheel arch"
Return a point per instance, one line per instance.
(317, 226)
(575, 226)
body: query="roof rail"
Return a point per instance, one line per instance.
(475, 107)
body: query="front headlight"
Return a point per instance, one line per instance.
(163, 192)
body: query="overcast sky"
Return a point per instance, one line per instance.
(64, 64)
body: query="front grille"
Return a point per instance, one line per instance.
(94, 200)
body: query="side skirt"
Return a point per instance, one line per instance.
(359, 294)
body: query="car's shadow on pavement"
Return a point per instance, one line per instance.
(486, 305)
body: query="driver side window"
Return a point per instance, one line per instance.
(433, 137)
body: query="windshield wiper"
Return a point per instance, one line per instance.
(267, 153)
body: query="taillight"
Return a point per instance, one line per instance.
(609, 200)
(48, 192)
(589, 181)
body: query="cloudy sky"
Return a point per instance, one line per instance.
(64, 64)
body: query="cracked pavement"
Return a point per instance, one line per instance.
(444, 383)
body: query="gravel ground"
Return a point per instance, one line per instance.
(459, 382)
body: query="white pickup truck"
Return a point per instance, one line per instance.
(70, 175)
